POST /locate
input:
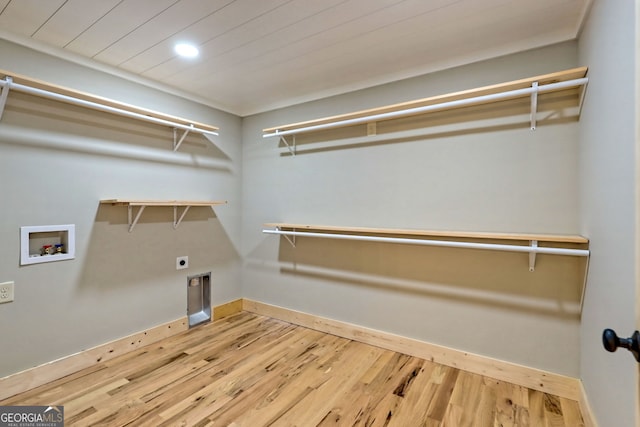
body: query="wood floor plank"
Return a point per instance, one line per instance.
(303, 352)
(344, 374)
(553, 411)
(536, 408)
(446, 379)
(571, 413)
(250, 370)
(380, 380)
(467, 396)
(362, 404)
(416, 397)
(387, 389)
(244, 376)
(179, 394)
(300, 383)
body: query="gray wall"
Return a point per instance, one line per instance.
(57, 162)
(487, 173)
(608, 194)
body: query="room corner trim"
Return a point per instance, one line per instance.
(585, 408)
(228, 309)
(560, 385)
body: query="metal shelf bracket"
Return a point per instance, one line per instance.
(292, 146)
(4, 94)
(176, 142)
(534, 104)
(132, 223)
(176, 220)
(290, 239)
(532, 255)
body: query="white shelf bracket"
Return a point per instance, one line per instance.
(292, 146)
(290, 239)
(532, 255)
(176, 142)
(176, 220)
(584, 282)
(132, 223)
(4, 94)
(583, 91)
(534, 104)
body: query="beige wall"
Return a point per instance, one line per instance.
(57, 162)
(485, 173)
(608, 195)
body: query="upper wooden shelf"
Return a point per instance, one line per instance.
(573, 81)
(142, 204)
(125, 202)
(475, 235)
(21, 83)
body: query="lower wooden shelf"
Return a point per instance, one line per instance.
(456, 239)
(142, 204)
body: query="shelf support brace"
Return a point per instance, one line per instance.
(132, 223)
(534, 104)
(4, 94)
(176, 220)
(176, 143)
(532, 255)
(290, 239)
(292, 146)
(584, 282)
(583, 90)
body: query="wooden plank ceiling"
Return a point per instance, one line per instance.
(256, 55)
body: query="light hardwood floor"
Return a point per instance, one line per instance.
(251, 370)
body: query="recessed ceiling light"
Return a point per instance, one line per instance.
(186, 50)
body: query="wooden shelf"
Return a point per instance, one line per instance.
(571, 81)
(126, 202)
(454, 239)
(142, 204)
(13, 81)
(475, 235)
(579, 245)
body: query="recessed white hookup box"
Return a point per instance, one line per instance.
(47, 243)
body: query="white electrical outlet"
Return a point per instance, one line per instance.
(182, 262)
(6, 292)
